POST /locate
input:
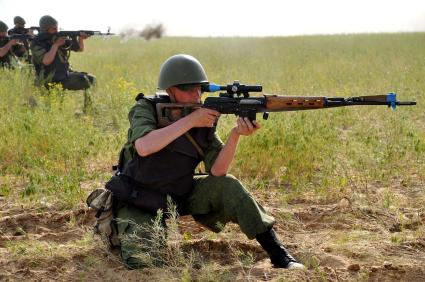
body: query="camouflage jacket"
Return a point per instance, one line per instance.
(19, 50)
(59, 69)
(6, 60)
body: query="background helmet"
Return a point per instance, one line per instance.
(181, 69)
(46, 22)
(3, 27)
(19, 20)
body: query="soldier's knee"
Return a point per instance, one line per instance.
(85, 82)
(92, 79)
(233, 181)
(228, 178)
(232, 185)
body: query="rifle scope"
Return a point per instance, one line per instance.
(231, 89)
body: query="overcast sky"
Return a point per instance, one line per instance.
(226, 17)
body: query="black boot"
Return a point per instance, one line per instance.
(278, 255)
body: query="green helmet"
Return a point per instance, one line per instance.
(3, 27)
(181, 69)
(19, 20)
(46, 22)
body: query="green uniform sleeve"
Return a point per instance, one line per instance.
(37, 53)
(212, 152)
(142, 120)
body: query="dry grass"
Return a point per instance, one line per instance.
(346, 185)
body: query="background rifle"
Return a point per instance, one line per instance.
(71, 36)
(75, 33)
(31, 29)
(230, 102)
(23, 45)
(21, 37)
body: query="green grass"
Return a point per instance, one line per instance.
(48, 151)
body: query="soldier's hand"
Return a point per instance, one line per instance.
(60, 41)
(83, 35)
(203, 117)
(246, 127)
(13, 42)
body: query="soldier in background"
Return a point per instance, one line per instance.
(6, 55)
(21, 50)
(51, 59)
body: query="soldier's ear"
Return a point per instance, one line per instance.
(170, 92)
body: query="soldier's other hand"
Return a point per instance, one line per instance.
(83, 35)
(13, 42)
(60, 41)
(246, 127)
(203, 117)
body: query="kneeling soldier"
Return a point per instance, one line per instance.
(162, 162)
(50, 56)
(6, 55)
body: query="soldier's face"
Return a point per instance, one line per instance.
(52, 29)
(190, 95)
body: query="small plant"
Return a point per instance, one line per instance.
(160, 245)
(398, 238)
(246, 259)
(389, 199)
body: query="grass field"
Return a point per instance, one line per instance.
(52, 155)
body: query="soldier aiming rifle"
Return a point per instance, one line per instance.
(51, 51)
(7, 57)
(24, 36)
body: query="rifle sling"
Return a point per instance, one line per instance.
(195, 144)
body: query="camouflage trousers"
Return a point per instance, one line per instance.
(213, 202)
(78, 81)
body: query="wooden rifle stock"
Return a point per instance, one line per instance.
(167, 113)
(275, 103)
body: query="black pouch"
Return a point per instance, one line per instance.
(131, 192)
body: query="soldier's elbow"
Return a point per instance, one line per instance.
(142, 148)
(143, 153)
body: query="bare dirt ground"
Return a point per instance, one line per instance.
(337, 241)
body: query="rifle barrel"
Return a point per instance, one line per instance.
(390, 100)
(407, 103)
(276, 103)
(20, 36)
(72, 33)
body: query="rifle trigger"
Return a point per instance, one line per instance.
(265, 115)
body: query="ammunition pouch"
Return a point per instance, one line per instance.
(101, 201)
(129, 191)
